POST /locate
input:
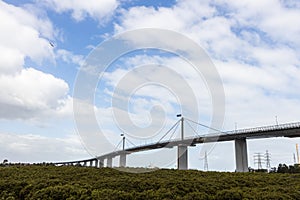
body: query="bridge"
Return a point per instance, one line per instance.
(239, 136)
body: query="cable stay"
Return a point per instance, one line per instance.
(203, 125)
(175, 129)
(116, 148)
(193, 129)
(176, 124)
(134, 145)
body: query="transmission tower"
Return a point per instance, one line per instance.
(268, 159)
(205, 162)
(258, 160)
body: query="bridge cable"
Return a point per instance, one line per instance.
(134, 145)
(175, 129)
(193, 128)
(203, 125)
(168, 131)
(117, 146)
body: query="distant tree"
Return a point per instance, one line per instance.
(282, 168)
(261, 170)
(250, 169)
(273, 170)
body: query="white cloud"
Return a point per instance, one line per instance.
(24, 34)
(11, 60)
(227, 30)
(69, 57)
(177, 17)
(162, 93)
(273, 17)
(31, 148)
(248, 44)
(282, 80)
(142, 103)
(31, 94)
(276, 57)
(27, 93)
(99, 10)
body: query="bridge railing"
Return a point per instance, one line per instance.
(232, 132)
(266, 128)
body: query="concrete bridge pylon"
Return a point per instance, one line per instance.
(241, 155)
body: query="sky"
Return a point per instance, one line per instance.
(46, 45)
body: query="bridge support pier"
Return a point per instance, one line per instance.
(123, 160)
(241, 157)
(101, 163)
(109, 162)
(182, 157)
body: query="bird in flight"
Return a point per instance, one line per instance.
(51, 44)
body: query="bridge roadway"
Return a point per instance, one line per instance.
(239, 136)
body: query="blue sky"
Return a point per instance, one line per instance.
(254, 46)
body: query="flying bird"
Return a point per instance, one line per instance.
(52, 45)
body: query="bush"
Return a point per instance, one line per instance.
(231, 194)
(70, 182)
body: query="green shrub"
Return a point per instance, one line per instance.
(232, 194)
(71, 182)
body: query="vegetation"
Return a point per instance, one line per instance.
(283, 168)
(71, 182)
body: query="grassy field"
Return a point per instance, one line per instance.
(68, 182)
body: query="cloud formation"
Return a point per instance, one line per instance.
(40, 95)
(253, 45)
(27, 93)
(80, 10)
(23, 35)
(30, 148)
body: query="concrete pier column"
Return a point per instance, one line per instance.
(101, 163)
(241, 156)
(84, 163)
(182, 157)
(96, 163)
(123, 160)
(109, 162)
(91, 163)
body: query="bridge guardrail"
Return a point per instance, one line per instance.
(239, 131)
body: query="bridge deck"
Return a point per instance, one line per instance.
(282, 130)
